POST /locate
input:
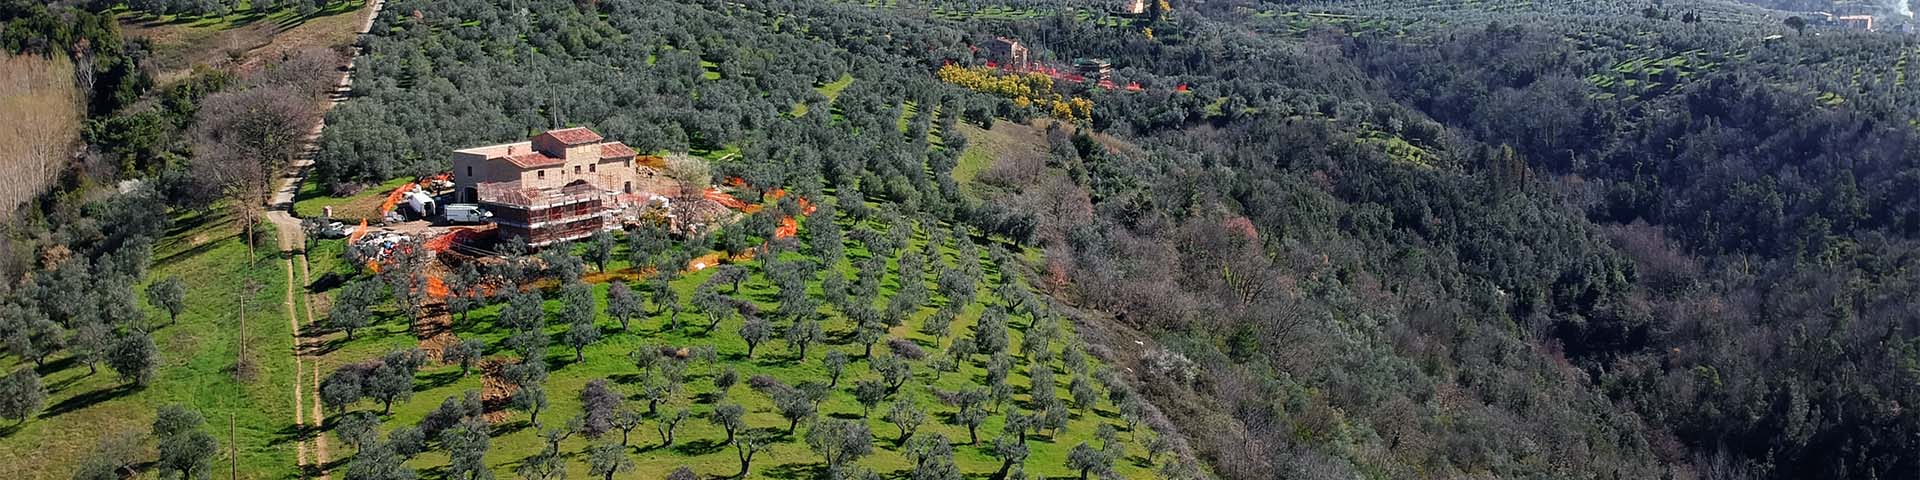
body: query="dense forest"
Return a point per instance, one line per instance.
(1705, 260)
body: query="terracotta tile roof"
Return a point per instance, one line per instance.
(615, 150)
(574, 136)
(534, 160)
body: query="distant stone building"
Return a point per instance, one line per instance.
(1094, 68)
(1857, 22)
(1007, 51)
(561, 185)
(1134, 7)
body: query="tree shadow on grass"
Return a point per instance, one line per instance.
(335, 464)
(290, 433)
(557, 363)
(846, 416)
(179, 256)
(699, 447)
(62, 385)
(509, 428)
(325, 347)
(88, 399)
(706, 398)
(796, 471)
(55, 366)
(436, 380)
(1139, 461)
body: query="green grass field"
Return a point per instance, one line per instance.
(197, 357)
(697, 441)
(311, 201)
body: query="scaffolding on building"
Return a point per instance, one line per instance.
(547, 216)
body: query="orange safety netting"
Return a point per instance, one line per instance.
(725, 200)
(788, 228)
(358, 232)
(393, 198)
(444, 242)
(435, 287)
(805, 205)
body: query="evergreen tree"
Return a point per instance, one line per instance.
(836, 364)
(607, 460)
(186, 450)
(730, 417)
(464, 353)
(134, 357)
(907, 417)
(170, 295)
(802, 333)
(21, 395)
(467, 446)
(841, 442)
(622, 304)
(755, 331)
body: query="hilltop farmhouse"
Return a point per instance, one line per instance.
(558, 186)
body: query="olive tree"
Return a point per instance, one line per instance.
(906, 416)
(841, 442)
(170, 295)
(21, 395)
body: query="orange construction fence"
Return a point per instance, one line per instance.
(393, 198)
(727, 200)
(446, 241)
(358, 232)
(788, 228)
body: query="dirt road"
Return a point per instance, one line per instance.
(311, 454)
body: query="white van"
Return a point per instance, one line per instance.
(467, 213)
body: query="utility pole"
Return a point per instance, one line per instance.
(233, 451)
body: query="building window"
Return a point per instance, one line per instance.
(593, 168)
(469, 170)
(542, 174)
(576, 169)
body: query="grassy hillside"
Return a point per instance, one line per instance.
(312, 200)
(182, 43)
(698, 442)
(42, 108)
(197, 356)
